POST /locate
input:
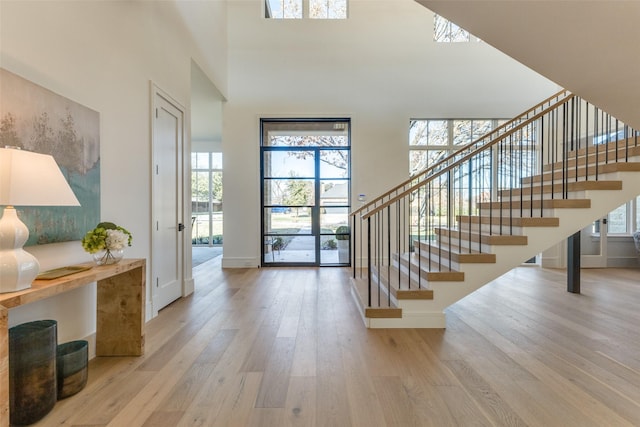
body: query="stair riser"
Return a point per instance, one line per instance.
(433, 263)
(546, 204)
(419, 319)
(630, 142)
(582, 173)
(517, 212)
(469, 222)
(558, 188)
(443, 260)
(432, 273)
(463, 257)
(442, 274)
(464, 243)
(405, 282)
(486, 240)
(623, 156)
(494, 229)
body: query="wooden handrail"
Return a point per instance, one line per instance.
(420, 175)
(465, 157)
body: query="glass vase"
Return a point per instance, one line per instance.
(108, 256)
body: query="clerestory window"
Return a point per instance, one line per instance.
(299, 9)
(445, 31)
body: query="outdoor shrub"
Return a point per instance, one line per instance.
(342, 233)
(329, 244)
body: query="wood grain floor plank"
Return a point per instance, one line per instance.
(577, 397)
(519, 351)
(484, 395)
(395, 404)
(163, 419)
(275, 381)
(463, 409)
(266, 417)
(186, 389)
(239, 402)
(427, 403)
(364, 406)
(305, 355)
(300, 407)
(110, 401)
(332, 402)
(214, 395)
(149, 398)
(574, 350)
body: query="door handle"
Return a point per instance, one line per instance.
(180, 226)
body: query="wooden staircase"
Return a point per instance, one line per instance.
(412, 288)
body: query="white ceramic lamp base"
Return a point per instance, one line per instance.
(18, 268)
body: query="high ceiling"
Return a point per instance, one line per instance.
(206, 114)
(588, 47)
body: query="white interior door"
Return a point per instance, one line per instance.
(593, 245)
(168, 242)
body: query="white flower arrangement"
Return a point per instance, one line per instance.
(116, 240)
(107, 242)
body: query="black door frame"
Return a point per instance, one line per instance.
(266, 238)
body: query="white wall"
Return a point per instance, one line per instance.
(206, 112)
(380, 67)
(103, 55)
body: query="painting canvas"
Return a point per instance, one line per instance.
(36, 119)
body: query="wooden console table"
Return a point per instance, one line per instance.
(120, 313)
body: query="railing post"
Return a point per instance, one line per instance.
(354, 246)
(369, 260)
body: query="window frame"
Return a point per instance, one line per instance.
(449, 35)
(213, 166)
(306, 8)
(632, 219)
(450, 147)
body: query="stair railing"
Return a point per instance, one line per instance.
(483, 189)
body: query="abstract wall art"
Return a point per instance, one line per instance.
(37, 119)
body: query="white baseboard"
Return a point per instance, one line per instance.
(150, 313)
(228, 262)
(416, 319)
(91, 339)
(189, 287)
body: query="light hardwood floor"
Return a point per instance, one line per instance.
(285, 347)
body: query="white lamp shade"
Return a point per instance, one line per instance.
(32, 179)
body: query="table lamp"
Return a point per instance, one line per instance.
(26, 179)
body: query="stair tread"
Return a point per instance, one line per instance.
(382, 313)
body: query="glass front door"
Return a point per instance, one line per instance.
(305, 192)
